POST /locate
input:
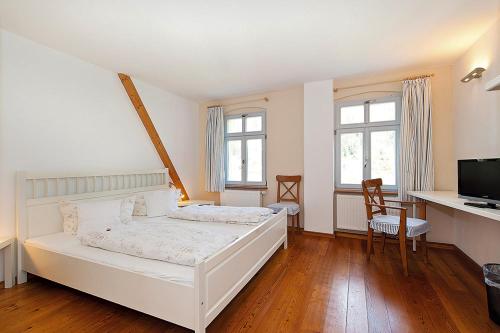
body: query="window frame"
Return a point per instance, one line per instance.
(367, 128)
(244, 137)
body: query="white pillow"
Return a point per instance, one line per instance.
(106, 211)
(160, 203)
(118, 210)
(140, 206)
(127, 208)
(69, 212)
(95, 210)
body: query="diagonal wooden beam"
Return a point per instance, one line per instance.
(150, 128)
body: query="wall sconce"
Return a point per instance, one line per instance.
(475, 74)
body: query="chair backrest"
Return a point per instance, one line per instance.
(372, 191)
(291, 186)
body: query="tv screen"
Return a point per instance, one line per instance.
(479, 179)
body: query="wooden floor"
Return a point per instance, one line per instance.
(317, 285)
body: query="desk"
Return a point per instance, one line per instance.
(7, 247)
(451, 199)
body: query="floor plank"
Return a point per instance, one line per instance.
(316, 285)
(357, 316)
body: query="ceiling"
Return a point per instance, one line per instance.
(207, 50)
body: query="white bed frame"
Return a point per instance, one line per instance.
(217, 280)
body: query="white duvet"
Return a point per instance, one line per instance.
(226, 214)
(173, 241)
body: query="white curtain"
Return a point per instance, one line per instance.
(214, 144)
(417, 162)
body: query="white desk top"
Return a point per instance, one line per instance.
(451, 199)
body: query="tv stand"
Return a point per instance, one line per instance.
(481, 205)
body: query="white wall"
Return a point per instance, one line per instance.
(318, 156)
(477, 134)
(442, 135)
(177, 121)
(58, 113)
(285, 136)
(477, 111)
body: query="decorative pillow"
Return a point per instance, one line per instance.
(106, 211)
(73, 213)
(160, 203)
(69, 212)
(140, 206)
(126, 209)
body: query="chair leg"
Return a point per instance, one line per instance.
(383, 241)
(423, 238)
(402, 249)
(369, 243)
(298, 222)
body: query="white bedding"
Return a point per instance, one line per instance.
(69, 245)
(226, 214)
(177, 242)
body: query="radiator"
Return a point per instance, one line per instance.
(241, 198)
(351, 212)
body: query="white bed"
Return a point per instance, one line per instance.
(188, 296)
(68, 245)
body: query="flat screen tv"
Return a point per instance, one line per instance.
(479, 180)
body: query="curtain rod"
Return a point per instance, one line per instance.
(367, 92)
(265, 99)
(382, 82)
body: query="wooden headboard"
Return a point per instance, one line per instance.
(38, 196)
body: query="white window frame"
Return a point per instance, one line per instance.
(366, 128)
(244, 136)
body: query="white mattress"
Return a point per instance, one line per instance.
(69, 245)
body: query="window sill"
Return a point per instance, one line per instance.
(247, 187)
(360, 191)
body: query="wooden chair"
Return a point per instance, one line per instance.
(290, 198)
(401, 226)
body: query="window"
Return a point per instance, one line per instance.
(245, 149)
(367, 142)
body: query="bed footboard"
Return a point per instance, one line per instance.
(149, 295)
(219, 279)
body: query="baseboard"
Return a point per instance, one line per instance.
(320, 234)
(377, 238)
(469, 260)
(354, 235)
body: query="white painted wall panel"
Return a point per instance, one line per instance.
(318, 156)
